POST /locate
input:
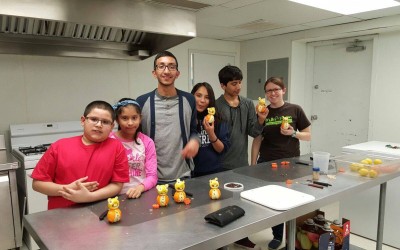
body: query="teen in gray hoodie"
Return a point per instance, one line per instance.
(241, 115)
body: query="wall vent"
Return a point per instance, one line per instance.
(191, 5)
(258, 25)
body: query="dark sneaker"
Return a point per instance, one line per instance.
(274, 244)
(246, 243)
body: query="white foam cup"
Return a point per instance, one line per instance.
(321, 160)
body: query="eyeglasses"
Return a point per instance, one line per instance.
(171, 67)
(95, 120)
(270, 91)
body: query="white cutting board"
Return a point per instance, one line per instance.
(277, 197)
(374, 147)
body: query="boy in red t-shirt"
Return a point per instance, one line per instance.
(84, 168)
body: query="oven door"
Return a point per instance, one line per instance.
(36, 202)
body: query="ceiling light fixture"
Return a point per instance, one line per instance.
(348, 7)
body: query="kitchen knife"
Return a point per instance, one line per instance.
(313, 185)
(320, 183)
(103, 215)
(307, 163)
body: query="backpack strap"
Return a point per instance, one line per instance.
(152, 116)
(181, 118)
(182, 123)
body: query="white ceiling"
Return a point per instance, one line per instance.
(241, 20)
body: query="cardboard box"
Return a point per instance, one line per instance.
(314, 237)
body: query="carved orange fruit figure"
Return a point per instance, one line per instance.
(214, 192)
(180, 194)
(114, 213)
(210, 117)
(261, 106)
(162, 198)
(285, 122)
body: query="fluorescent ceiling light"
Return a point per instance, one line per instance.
(347, 7)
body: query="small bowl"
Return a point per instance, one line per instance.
(233, 186)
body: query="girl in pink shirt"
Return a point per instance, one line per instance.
(139, 148)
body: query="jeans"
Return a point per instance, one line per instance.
(277, 231)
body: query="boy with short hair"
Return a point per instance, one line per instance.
(243, 121)
(169, 118)
(84, 168)
(241, 115)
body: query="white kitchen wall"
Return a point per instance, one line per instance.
(385, 101)
(44, 89)
(384, 121)
(264, 49)
(36, 89)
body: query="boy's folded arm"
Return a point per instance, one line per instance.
(47, 187)
(76, 191)
(52, 189)
(83, 195)
(112, 189)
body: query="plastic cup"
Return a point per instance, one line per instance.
(235, 187)
(321, 161)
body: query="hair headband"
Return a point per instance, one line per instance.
(124, 103)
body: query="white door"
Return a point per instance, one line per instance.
(205, 67)
(341, 96)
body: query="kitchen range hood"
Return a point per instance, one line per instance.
(115, 29)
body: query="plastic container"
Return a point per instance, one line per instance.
(233, 186)
(315, 174)
(321, 161)
(367, 165)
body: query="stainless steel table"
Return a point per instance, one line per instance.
(181, 226)
(10, 226)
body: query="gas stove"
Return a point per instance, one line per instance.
(31, 152)
(30, 155)
(30, 141)
(38, 149)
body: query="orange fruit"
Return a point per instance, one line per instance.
(209, 118)
(179, 196)
(162, 200)
(114, 215)
(261, 108)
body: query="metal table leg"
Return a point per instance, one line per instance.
(381, 216)
(291, 234)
